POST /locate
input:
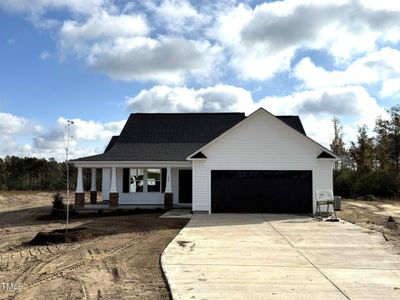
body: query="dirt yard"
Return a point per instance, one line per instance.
(373, 215)
(122, 262)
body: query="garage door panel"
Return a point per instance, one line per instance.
(261, 191)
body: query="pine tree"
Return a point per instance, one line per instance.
(388, 140)
(337, 144)
(362, 152)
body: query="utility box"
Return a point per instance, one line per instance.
(338, 202)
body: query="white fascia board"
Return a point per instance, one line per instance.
(261, 109)
(327, 158)
(127, 164)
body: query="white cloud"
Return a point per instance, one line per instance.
(182, 99)
(177, 16)
(317, 107)
(173, 41)
(168, 60)
(262, 41)
(82, 131)
(39, 6)
(121, 39)
(390, 88)
(11, 124)
(22, 137)
(119, 46)
(371, 68)
(92, 130)
(102, 26)
(13, 128)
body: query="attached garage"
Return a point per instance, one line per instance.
(263, 164)
(261, 191)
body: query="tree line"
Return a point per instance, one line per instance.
(370, 164)
(39, 174)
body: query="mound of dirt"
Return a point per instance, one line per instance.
(59, 236)
(101, 214)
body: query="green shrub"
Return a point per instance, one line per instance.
(58, 201)
(343, 181)
(351, 184)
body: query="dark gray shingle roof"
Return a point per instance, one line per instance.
(177, 128)
(294, 122)
(171, 137)
(146, 152)
(112, 142)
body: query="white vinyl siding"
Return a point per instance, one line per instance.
(261, 142)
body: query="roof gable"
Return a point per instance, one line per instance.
(198, 155)
(284, 121)
(325, 154)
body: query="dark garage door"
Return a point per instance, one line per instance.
(261, 191)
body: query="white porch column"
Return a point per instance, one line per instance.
(168, 186)
(113, 187)
(79, 193)
(114, 197)
(168, 196)
(105, 183)
(79, 183)
(93, 188)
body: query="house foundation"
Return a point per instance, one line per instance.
(93, 197)
(168, 200)
(80, 199)
(114, 199)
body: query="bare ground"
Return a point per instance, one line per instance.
(373, 215)
(122, 262)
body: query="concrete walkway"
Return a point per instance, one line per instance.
(254, 256)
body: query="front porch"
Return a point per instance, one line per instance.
(135, 185)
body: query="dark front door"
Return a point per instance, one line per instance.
(261, 191)
(185, 186)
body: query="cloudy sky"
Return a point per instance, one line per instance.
(96, 61)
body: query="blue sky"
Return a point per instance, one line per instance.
(96, 61)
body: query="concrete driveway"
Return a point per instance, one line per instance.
(254, 256)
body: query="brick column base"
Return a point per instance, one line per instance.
(114, 199)
(168, 200)
(80, 199)
(93, 197)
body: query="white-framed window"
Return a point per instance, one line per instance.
(136, 180)
(144, 180)
(154, 180)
